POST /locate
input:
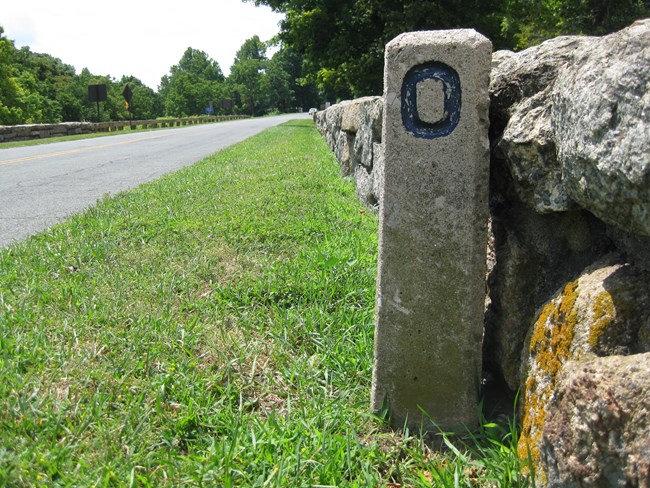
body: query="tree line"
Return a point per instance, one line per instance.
(342, 41)
(39, 88)
(329, 50)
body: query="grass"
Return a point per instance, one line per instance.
(212, 328)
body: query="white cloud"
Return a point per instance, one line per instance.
(143, 38)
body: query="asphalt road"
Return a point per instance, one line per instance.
(42, 185)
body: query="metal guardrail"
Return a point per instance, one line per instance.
(153, 124)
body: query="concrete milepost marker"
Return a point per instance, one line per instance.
(433, 229)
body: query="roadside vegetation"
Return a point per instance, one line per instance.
(326, 52)
(213, 328)
(342, 43)
(39, 88)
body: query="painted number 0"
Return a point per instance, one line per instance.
(452, 100)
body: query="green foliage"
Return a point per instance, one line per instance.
(529, 22)
(262, 85)
(301, 93)
(329, 50)
(198, 63)
(38, 88)
(342, 41)
(146, 103)
(281, 97)
(16, 104)
(248, 75)
(193, 83)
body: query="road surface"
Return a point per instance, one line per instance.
(42, 185)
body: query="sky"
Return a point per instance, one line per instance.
(142, 38)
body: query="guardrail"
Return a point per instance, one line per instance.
(17, 133)
(153, 124)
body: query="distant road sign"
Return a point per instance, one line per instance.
(97, 93)
(127, 93)
(209, 110)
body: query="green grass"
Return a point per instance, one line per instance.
(212, 328)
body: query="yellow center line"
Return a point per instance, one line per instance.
(75, 151)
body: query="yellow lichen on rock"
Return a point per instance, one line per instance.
(604, 314)
(550, 347)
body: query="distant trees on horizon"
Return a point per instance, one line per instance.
(39, 88)
(329, 50)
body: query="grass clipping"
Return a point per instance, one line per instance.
(213, 327)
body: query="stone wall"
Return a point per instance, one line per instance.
(569, 257)
(352, 130)
(17, 133)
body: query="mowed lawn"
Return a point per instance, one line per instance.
(211, 328)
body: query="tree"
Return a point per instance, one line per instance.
(145, 103)
(193, 83)
(47, 80)
(198, 63)
(342, 41)
(529, 22)
(288, 87)
(10, 92)
(281, 96)
(39, 88)
(247, 75)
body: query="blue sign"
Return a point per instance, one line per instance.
(209, 110)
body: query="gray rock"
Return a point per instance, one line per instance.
(541, 237)
(601, 121)
(343, 152)
(377, 172)
(369, 130)
(363, 185)
(329, 123)
(352, 130)
(354, 113)
(598, 428)
(432, 229)
(520, 94)
(528, 146)
(636, 248)
(538, 246)
(499, 57)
